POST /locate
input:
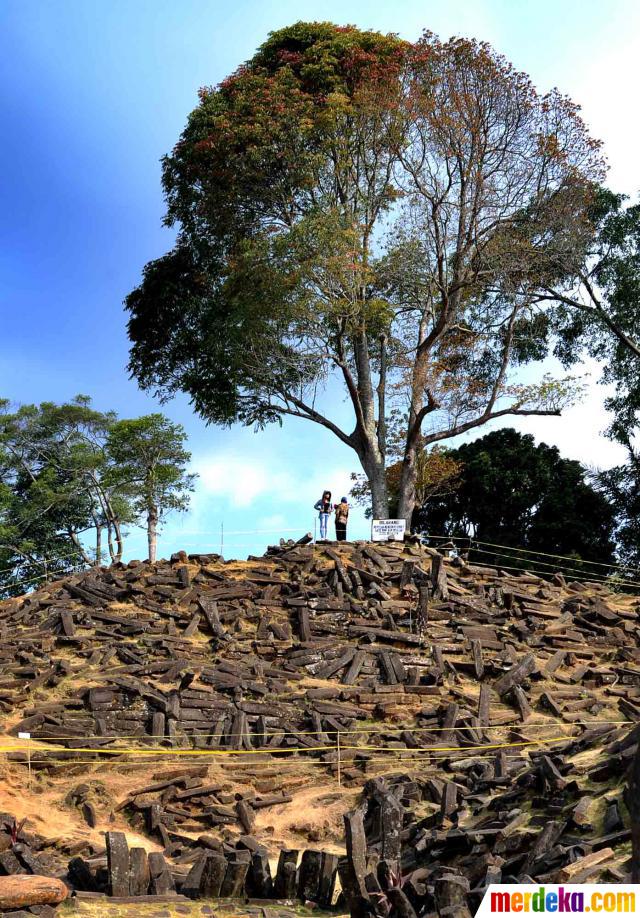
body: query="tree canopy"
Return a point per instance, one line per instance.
(72, 478)
(355, 207)
(598, 313)
(149, 465)
(514, 492)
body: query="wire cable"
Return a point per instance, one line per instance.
(360, 731)
(528, 551)
(555, 568)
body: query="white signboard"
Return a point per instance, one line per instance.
(381, 530)
(24, 736)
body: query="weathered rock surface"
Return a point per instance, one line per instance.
(498, 704)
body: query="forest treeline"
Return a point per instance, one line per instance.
(505, 500)
(73, 479)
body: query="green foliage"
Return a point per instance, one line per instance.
(235, 314)
(354, 206)
(148, 463)
(71, 475)
(51, 477)
(600, 312)
(621, 484)
(516, 493)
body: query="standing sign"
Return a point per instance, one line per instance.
(381, 530)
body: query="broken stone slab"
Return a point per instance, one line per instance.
(80, 875)
(450, 892)
(327, 882)
(259, 883)
(235, 875)
(390, 817)
(401, 906)
(285, 884)
(309, 875)
(517, 674)
(439, 585)
(161, 880)
(139, 876)
(212, 876)
(118, 863)
(353, 868)
(354, 890)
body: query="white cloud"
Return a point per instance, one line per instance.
(274, 521)
(241, 481)
(293, 479)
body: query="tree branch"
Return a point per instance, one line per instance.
(597, 309)
(310, 414)
(348, 378)
(382, 392)
(483, 418)
(76, 541)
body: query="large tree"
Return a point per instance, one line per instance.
(149, 466)
(54, 467)
(598, 312)
(71, 479)
(514, 492)
(356, 208)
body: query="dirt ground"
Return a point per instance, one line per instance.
(315, 817)
(181, 908)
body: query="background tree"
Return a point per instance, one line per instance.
(621, 484)
(53, 471)
(354, 208)
(437, 475)
(598, 313)
(515, 493)
(149, 465)
(71, 479)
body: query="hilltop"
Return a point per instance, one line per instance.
(202, 705)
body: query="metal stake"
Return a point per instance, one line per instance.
(27, 737)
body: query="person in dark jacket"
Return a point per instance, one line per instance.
(342, 515)
(324, 508)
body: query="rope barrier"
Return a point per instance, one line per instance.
(75, 554)
(365, 731)
(588, 576)
(545, 554)
(137, 751)
(268, 768)
(401, 756)
(528, 551)
(555, 568)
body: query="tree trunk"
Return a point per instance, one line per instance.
(152, 531)
(112, 551)
(119, 542)
(374, 466)
(407, 488)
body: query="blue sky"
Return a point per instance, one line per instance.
(94, 92)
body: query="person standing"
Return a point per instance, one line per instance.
(324, 508)
(342, 515)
